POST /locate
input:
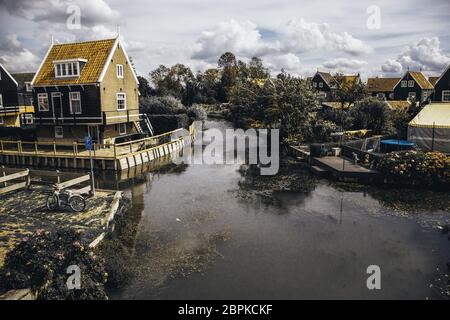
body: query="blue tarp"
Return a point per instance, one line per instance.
(403, 143)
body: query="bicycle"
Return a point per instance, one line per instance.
(63, 199)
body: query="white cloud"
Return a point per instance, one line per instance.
(392, 66)
(300, 36)
(14, 56)
(295, 37)
(241, 38)
(426, 54)
(344, 64)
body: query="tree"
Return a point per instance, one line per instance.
(229, 72)
(284, 103)
(144, 87)
(371, 113)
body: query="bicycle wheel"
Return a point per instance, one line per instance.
(63, 200)
(77, 203)
(52, 202)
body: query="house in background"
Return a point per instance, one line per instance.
(442, 87)
(16, 98)
(413, 85)
(328, 85)
(325, 84)
(86, 88)
(382, 88)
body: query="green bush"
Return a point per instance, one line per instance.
(162, 105)
(40, 262)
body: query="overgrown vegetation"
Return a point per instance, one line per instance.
(430, 169)
(40, 262)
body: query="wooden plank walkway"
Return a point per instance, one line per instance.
(344, 168)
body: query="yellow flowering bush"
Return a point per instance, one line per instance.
(431, 168)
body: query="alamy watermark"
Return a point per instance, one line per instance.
(374, 19)
(74, 280)
(73, 21)
(374, 280)
(234, 146)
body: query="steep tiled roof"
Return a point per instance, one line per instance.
(347, 80)
(21, 78)
(433, 80)
(328, 78)
(421, 80)
(381, 84)
(95, 52)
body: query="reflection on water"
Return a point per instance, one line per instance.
(191, 236)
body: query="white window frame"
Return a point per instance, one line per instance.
(62, 69)
(124, 99)
(404, 84)
(445, 92)
(72, 99)
(1, 100)
(28, 118)
(381, 95)
(124, 127)
(59, 136)
(411, 95)
(411, 84)
(391, 95)
(119, 71)
(320, 84)
(28, 87)
(314, 84)
(43, 95)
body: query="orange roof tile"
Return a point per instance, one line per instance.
(95, 52)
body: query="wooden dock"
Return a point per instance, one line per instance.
(342, 169)
(117, 156)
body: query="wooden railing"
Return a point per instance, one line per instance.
(100, 151)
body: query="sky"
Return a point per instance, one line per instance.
(373, 38)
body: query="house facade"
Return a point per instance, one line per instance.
(442, 87)
(382, 88)
(16, 103)
(86, 88)
(325, 85)
(413, 85)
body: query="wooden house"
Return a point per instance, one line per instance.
(442, 87)
(16, 103)
(382, 88)
(413, 85)
(86, 88)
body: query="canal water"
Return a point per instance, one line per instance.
(191, 235)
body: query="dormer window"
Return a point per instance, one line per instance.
(68, 68)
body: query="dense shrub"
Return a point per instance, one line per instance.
(162, 105)
(40, 262)
(322, 130)
(371, 113)
(197, 112)
(432, 168)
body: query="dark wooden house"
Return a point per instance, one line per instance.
(16, 104)
(442, 87)
(413, 85)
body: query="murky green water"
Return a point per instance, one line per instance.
(190, 236)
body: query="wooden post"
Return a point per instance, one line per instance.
(74, 149)
(19, 146)
(58, 178)
(1, 144)
(35, 147)
(115, 152)
(54, 147)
